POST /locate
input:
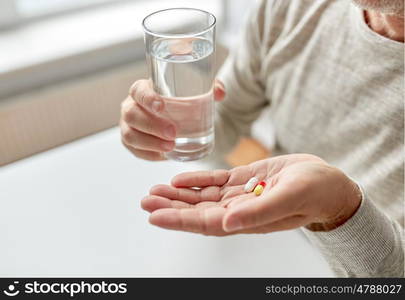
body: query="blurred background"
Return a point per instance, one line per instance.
(66, 65)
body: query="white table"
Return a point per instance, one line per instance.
(74, 211)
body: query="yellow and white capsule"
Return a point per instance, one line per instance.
(250, 185)
(259, 188)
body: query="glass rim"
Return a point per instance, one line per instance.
(191, 34)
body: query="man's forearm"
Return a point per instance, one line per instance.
(369, 244)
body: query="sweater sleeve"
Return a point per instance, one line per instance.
(245, 92)
(369, 244)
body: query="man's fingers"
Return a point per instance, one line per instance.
(240, 175)
(138, 118)
(206, 221)
(143, 141)
(143, 94)
(143, 154)
(201, 178)
(152, 203)
(211, 193)
(271, 206)
(175, 216)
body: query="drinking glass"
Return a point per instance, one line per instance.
(180, 51)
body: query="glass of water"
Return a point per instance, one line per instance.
(180, 51)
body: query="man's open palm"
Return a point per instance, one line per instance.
(300, 189)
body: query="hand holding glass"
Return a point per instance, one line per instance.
(180, 50)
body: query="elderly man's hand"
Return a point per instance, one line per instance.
(301, 190)
(146, 130)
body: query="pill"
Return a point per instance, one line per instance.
(250, 185)
(262, 183)
(258, 190)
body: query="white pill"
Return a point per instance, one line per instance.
(251, 184)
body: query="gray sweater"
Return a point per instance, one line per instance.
(335, 89)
